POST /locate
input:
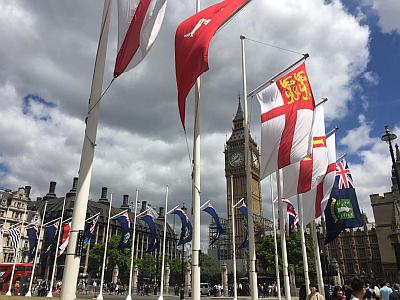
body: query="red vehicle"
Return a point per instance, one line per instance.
(21, 270)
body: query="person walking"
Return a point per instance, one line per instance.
(314, 294)
(385, 291)
(395, 295)
(338, 293)
(358, 290)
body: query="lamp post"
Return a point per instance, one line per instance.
(388, 137)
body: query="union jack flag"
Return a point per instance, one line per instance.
(292, 219)
(345, 178)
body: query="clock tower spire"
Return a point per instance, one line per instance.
(234, 166)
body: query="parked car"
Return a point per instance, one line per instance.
(205, 289)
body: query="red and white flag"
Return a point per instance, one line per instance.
(314, 201)
(139, 22)
(192, 39)
(64, 238)
(305, 175)
(287, 109)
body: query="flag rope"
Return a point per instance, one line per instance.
(274, 46)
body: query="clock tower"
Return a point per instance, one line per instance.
(235, 170)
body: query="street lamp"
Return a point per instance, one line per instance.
(388, 137)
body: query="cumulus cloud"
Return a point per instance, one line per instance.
(388, 12)
(140, 141)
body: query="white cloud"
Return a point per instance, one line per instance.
(388, 12)
(358, 138)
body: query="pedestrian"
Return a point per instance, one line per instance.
(385, 291)
(338, 293)
(314, 294)
(396, 293)
(358, 290)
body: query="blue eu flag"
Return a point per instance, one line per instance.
(342, 210)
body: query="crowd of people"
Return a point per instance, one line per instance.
(356, 289)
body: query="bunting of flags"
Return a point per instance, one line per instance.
(149, 218)
(33, 238)
(15, 234)
(125, 223)
(213, 213)
(245, 212)
(186, 230)
(192, 39)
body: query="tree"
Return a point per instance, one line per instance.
(115, 256)
(266, 255)
(210, 269)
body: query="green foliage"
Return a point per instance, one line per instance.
(115, 256)
(210, 269)
(266, 255)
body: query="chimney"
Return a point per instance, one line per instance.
(27, 191)
(51, 194)
(39, 198)
(103, 198)
(72, 192)
(144, 206)
(125, 202)
(161, 214)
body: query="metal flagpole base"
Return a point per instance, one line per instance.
(8, 293)
(100, 296)
(50, 294)
(129, 297)
(28, 294)
(160, 297)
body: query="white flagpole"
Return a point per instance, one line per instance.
(29, 294)
(278, 281)
(100, 296)
(72, 261)
(233, 243)
(317, 257)
(283, 237)
(196, 191)
(163, 254)
(303, 245)
(60, 229)
(252, 244)
(17, 252)
(129, 297)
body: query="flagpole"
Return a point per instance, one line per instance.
(129, 297)
(100, 295)
(28, 293)
(252, 245)
(196, 192)
(278, 281)
(16, 254)
(4, 228)
(303, 245)
(60, 229)
(72, 261)
(163, 254)
(317, 257)
(283, 237)
(233, 243)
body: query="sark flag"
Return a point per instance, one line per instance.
(192, 39)
(149, 218)
(89, 229)
(50, 236)
(314, 201)
(287, 112)
(186, 230)
(125, 224)
(139, 22)
(292, 220)
(245, 212)
(33, 237)
(342, 210)
(64, 238)
(213, 213)
(305, 175)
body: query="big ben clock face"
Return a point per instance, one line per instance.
(236, 159)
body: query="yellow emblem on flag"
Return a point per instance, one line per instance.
(296, 87)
